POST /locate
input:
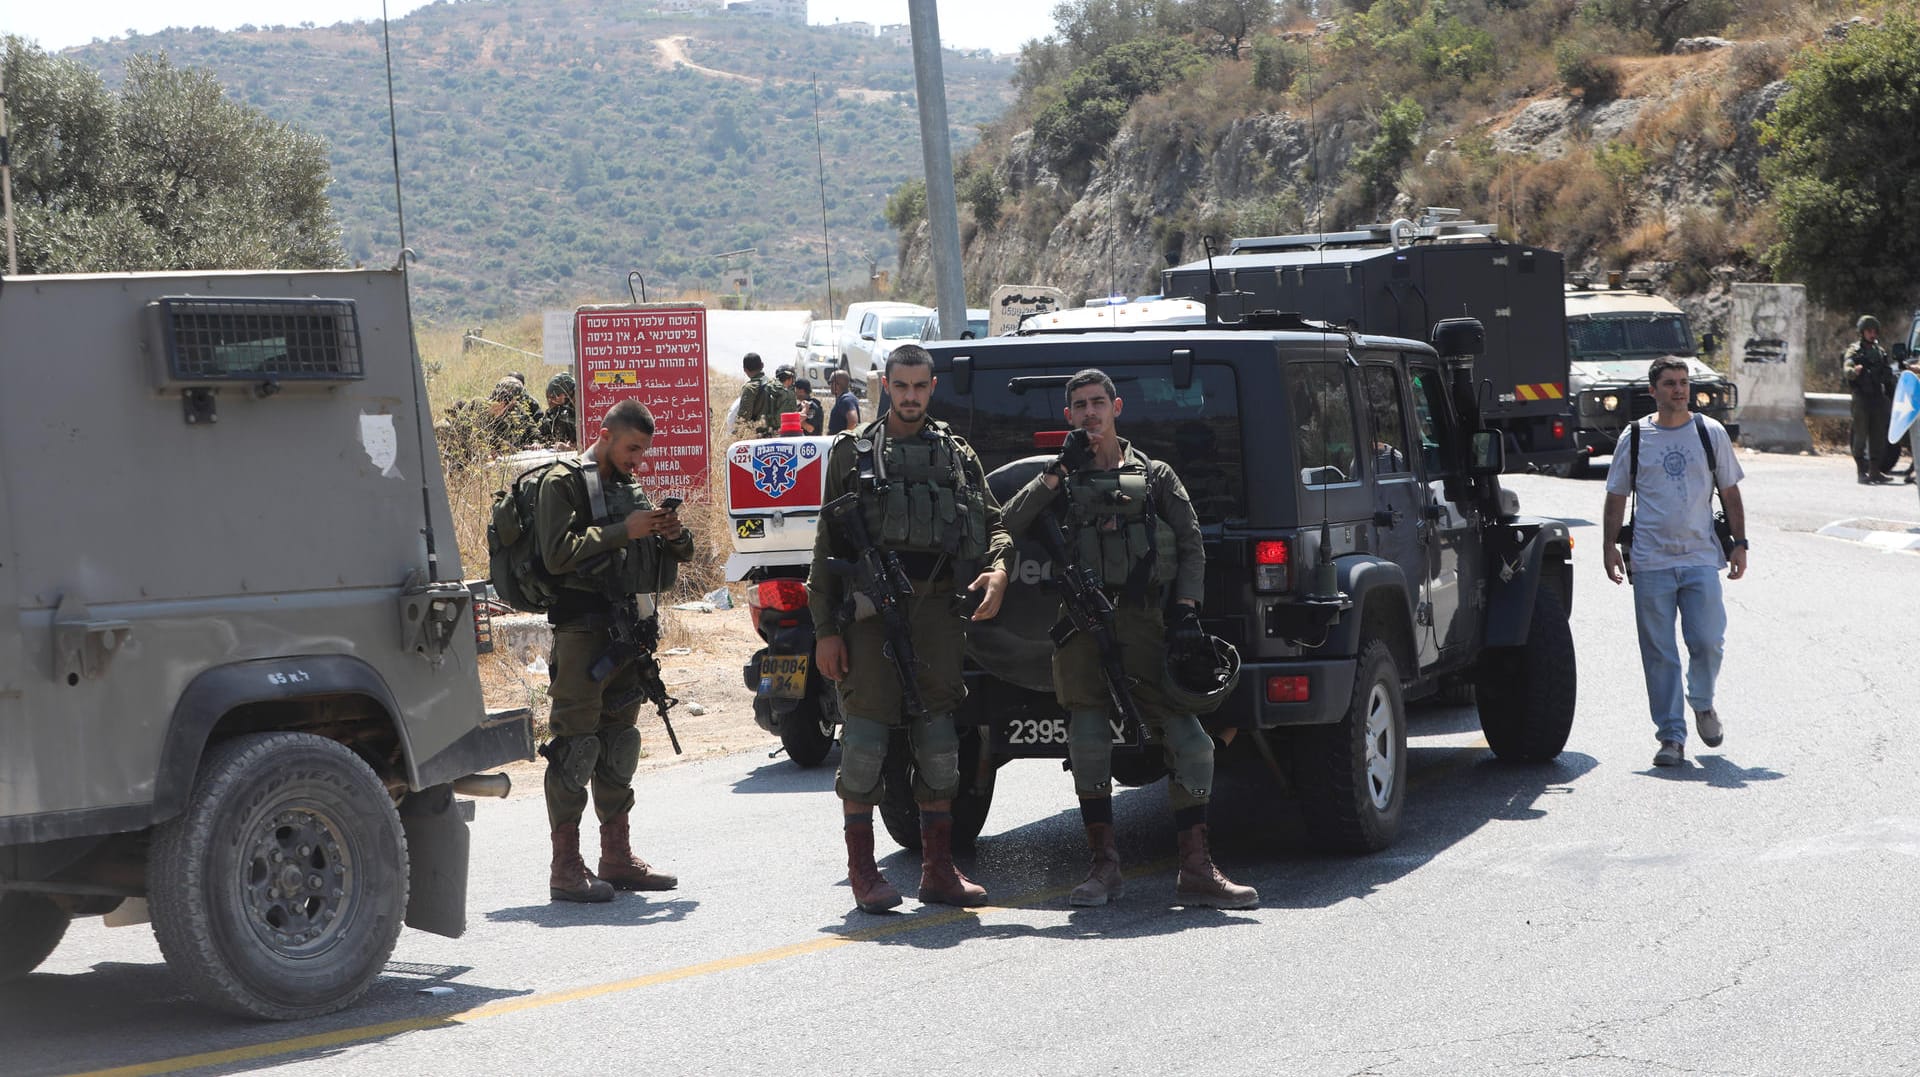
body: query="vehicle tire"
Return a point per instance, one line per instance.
(1526, 693)
(902, 816)
(280, 890)
(31, 926)
(1139, 768)
(1353, 773)
(807, 733)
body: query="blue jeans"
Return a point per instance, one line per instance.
(1694, 593)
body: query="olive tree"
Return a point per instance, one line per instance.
(166, 173)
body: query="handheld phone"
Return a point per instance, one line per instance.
(671, 504)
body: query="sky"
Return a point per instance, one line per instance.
(1001, 25)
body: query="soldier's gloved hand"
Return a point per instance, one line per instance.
(1183, 630)
(1075, 453)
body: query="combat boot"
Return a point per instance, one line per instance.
(569, 879)
(1104, 882)
(1200, 883)
(940, 882)
(620, 867)
(871, 890)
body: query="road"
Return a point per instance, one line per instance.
(1751, 913)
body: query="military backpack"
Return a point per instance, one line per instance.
(519, 572)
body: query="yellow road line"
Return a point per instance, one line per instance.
(340, 1037)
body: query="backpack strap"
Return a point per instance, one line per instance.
(596, 496)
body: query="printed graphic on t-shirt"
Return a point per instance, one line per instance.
(1675, 464)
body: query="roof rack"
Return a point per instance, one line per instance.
(1436, 223)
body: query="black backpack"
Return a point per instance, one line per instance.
(520, 575)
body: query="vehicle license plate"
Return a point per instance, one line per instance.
(784, 676)
(751, 529)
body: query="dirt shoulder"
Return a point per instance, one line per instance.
(700, 662)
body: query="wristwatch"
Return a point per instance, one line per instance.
(1740, 544)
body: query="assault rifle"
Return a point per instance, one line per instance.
(1089, 610)
(633, 638)
(876, 573)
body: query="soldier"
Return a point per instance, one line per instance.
(560, 426)
(1870, 376)
(761, 400)
(513, 419)
(600, 536)
(908, 468)
(1129, 518)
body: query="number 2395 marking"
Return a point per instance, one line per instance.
(1049, 731)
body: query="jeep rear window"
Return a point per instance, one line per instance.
(1195, 430)
(1323, 440)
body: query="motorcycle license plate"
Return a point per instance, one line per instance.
(784, 676)
(751, 529)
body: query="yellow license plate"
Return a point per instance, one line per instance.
(751, 529)
(784, 676)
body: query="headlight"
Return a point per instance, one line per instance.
(1610, 402)
(1701, 398)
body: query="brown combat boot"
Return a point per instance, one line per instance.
(569, 879)
(940, 882)
(1104, 882)
(620, 867)
(1201, 884)
(871, 891)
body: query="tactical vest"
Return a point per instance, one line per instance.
(640, 567)
(1115, 532)
(916, 495)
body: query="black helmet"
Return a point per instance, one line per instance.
(1866, 322)
(1199, 676)
(783, 372)
(561, 383)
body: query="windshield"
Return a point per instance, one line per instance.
(1632, 334)
(821, 333)
(902, 326)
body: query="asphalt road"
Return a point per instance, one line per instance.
(1751, 913)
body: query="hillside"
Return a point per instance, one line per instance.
(548, 147)
(1599, 138)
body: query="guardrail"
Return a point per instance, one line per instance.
(1829, 405)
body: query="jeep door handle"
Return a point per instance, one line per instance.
(1388, 518)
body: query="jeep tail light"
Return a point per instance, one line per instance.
(1049, 439)
(782, 595)
(1272, 565)
(1559, 430)
(1292, 688)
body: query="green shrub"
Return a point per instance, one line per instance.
(1584, 69)
(1277, 62)
(982, 193)
(1397, 132)
(907, 206)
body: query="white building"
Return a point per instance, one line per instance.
(705, 7)
(898, 33)
(852, 29)
(793, 11)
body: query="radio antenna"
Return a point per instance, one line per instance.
(406, 290)
(820, 155)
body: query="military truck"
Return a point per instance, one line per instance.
(238, 683)
(1616, 327)
(1361, 551)
(1398, 279)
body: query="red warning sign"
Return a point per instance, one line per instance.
(656, 353)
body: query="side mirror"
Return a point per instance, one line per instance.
(866, 336)
(1487, 453)
(1459, 337)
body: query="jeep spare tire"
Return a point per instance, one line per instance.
(1017, 646)
(280, 890)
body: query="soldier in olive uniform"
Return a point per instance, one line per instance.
(1870, 375)
(925, 497)
(762, 400)
(599, 535)
(561, 424)
(1129, 518)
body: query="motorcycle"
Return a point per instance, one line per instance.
(791, 699)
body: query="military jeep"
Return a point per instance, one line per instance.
(238, 685)
(1361, 552)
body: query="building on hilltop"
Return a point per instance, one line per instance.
(698, 7)
(852, 29)
(793, 11)
(898, 33)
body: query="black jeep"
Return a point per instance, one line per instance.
(1361, 552)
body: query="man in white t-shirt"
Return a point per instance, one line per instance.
(1676, 555)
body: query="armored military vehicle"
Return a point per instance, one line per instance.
(1361, 552)
(1616, 327)
(1397, 279)
(238, 685)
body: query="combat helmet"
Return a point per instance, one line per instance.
(562, 383)
(1200, 675)
(1866, 322)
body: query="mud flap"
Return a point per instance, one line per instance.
(438, 847)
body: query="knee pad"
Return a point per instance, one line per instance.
(936, 753)
(1189, 754)
(863, 751)
(572, 759)
(619, 754)
(1090, 750)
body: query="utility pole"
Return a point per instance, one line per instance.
(6, 174)
(943, 210)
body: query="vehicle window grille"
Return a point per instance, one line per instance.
(245, 339)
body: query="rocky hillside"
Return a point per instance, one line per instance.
(1616, 150)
